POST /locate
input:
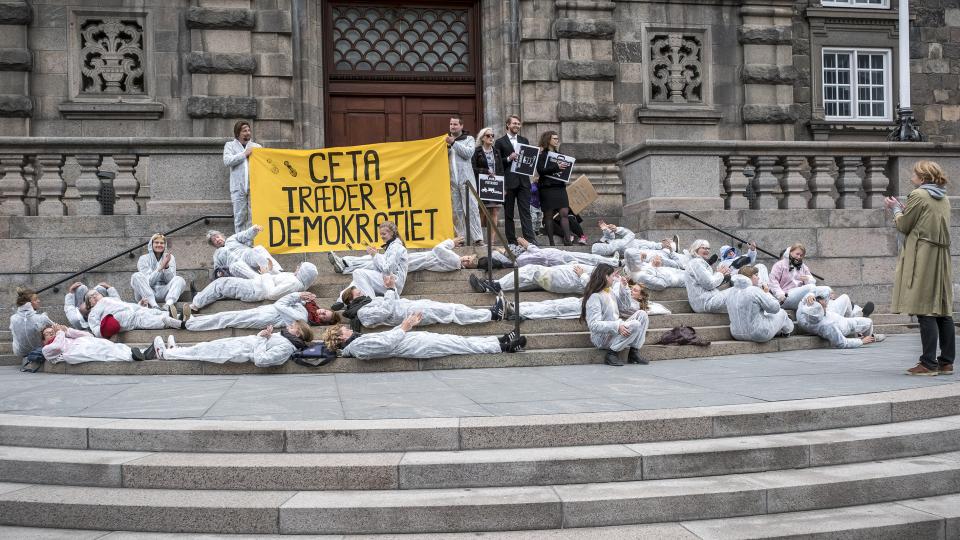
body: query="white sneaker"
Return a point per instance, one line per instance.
(159, 347)
(879, 337)
(171, 343)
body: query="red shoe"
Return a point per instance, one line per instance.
(922, 371)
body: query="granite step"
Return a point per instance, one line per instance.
(480, 509)
(477, 468)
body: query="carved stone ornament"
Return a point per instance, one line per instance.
(111, 56)
(676, 68)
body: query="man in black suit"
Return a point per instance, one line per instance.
(517, 186)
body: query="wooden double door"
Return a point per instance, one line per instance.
(398, 71)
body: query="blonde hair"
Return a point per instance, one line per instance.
(798, 245)
(331, 337)
(929, 172)
(347, 295)
(748, 271)
(484, 132)
(306, 333)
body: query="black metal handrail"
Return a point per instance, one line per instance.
(741, 241)
(130, 251)
(492, 228)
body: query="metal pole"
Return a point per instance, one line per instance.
(489, 250)
(516, 298)
(906, 130)
(466, 212)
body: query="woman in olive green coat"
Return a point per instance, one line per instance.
(923, 285)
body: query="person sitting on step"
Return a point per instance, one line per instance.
(703, 283)
(239, 247)
(601, 311)
(393, 261)
(75, 302)
(790, 278)
(730, 257)
(755, 315)
(26, 323)
(156, 276)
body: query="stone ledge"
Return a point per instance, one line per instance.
(765, 35)
(114, 111)
(15, 59)
(769, 114)
(584, 28)
(592, 151)
(273, 20)
(587, 70)
(768, 74)
(13, 12)
(570, 112)
(14, 106)
(222, 107)
(226, 19)
(201, 62)
(586, 5)
(686, 116)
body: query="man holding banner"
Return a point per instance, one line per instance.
(461, 147)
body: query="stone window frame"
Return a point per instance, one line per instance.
(706, 103)
(887, 85)
(109, 106)
(854, 4)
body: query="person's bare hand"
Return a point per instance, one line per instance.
(578, 270)
(308, 296)
(248, 151)
(512, 157)
(143, 302)
(563, 165)
(643, 256)
(412, 320)
(868, 340)
(891, 202)
(624, 281)
(449, 139)
(725, 270)
(258, 229)
(74, 286)
(764, 287)
(833, 295)
(266, 332)
(666, 244)
(390, 281)
(371, 251)
(602, 224)
(165, 261)
(623, 330)
(657, 262)
(458, 241)
(752, 245)
(809, 300)
(522, 242)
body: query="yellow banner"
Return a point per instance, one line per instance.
(334, 198)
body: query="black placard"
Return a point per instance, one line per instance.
(491, 188)
(526, 162)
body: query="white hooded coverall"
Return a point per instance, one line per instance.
(702, 291)
(399, 344)
(557, 308)
(655, 278)
(390, 310)
(239, 247)
(150, 282)
(233, 157)
(25, 327)
(283, 312)
(603, 319)
(558, 279)
(613, 242)
(76, 346)
(831, 325)
(393, 261)
(461, 172)
(441, 258)
(256, 287)
(73, 301)
(755, 315)
(556, 257)
(130, 316)
(263, 352)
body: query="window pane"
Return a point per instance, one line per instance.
(844, 109)
(830, 92)
(863, 92)
(878, 110)
(831, 109)
(863, 62)
(844, 77)
(829, 61)
(843, 60)
(877, 94)
(830, 77)
(877, 61)
(876, 77)
(844, 93)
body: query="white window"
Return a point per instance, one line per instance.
(856, 84)
(875, 4)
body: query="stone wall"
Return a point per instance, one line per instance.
(935, 67)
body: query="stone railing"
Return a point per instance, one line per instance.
(56, 176)
(771, 175)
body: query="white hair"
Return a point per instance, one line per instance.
(211, 233)
(697, 244)
(484, 131)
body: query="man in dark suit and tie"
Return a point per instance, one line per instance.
(517, 186)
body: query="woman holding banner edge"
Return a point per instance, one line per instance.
(553, 193)
(487, 160)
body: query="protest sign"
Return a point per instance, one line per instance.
(334, 198)
(580, 194)
(526, 162)
(563, 175)
(491, 188)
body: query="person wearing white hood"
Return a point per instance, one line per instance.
(156, 276)
(629, 300)
(265, 349)
(816, 314)
(236, 154)
(62, 344)
(651, 272)
(441, 258)
(755, 315)
(239, 247)
(75, 302)
(400, 342)
(617, 239)
(128, 316)
(601, 311)
(253, 287)
(289, 308)
(392, 262)
(703, 283)
(565, 279)
(26, 323)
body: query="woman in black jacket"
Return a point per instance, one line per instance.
(553, 193)
(487, 160)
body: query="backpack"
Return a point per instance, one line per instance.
(682, 335)
(315, 355)
(34, 356)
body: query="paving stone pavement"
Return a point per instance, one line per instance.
(724, 380)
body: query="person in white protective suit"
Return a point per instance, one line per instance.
(253, 287)
(129, 316)
(533, 254)
(755, 315)
(601, 311)
(460, 148)
(730, 257)
(291, 307)
(239, 247)
(156, 276)
(441, 258)
(651, 272)
(236, 154)
(392, 262)
(75, 302)
(617, 239)
(390, 310)
(565, 279)
(26, 323)
(62, 344)
(832, 321)
(400, 342)
(264, 349)
(703, 283)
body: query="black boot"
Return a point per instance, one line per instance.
(149, 353)
(868, 309)
(518, 344)
(612, 358)
(634, 357)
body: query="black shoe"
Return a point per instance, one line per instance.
(740, 261)
(713, 259)
(149, 353)
(496, 312)
(507, 338)
(868, 309)
(476, 284)
(137, 354)
(633, 357)
(612, 359)
(517, 345)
